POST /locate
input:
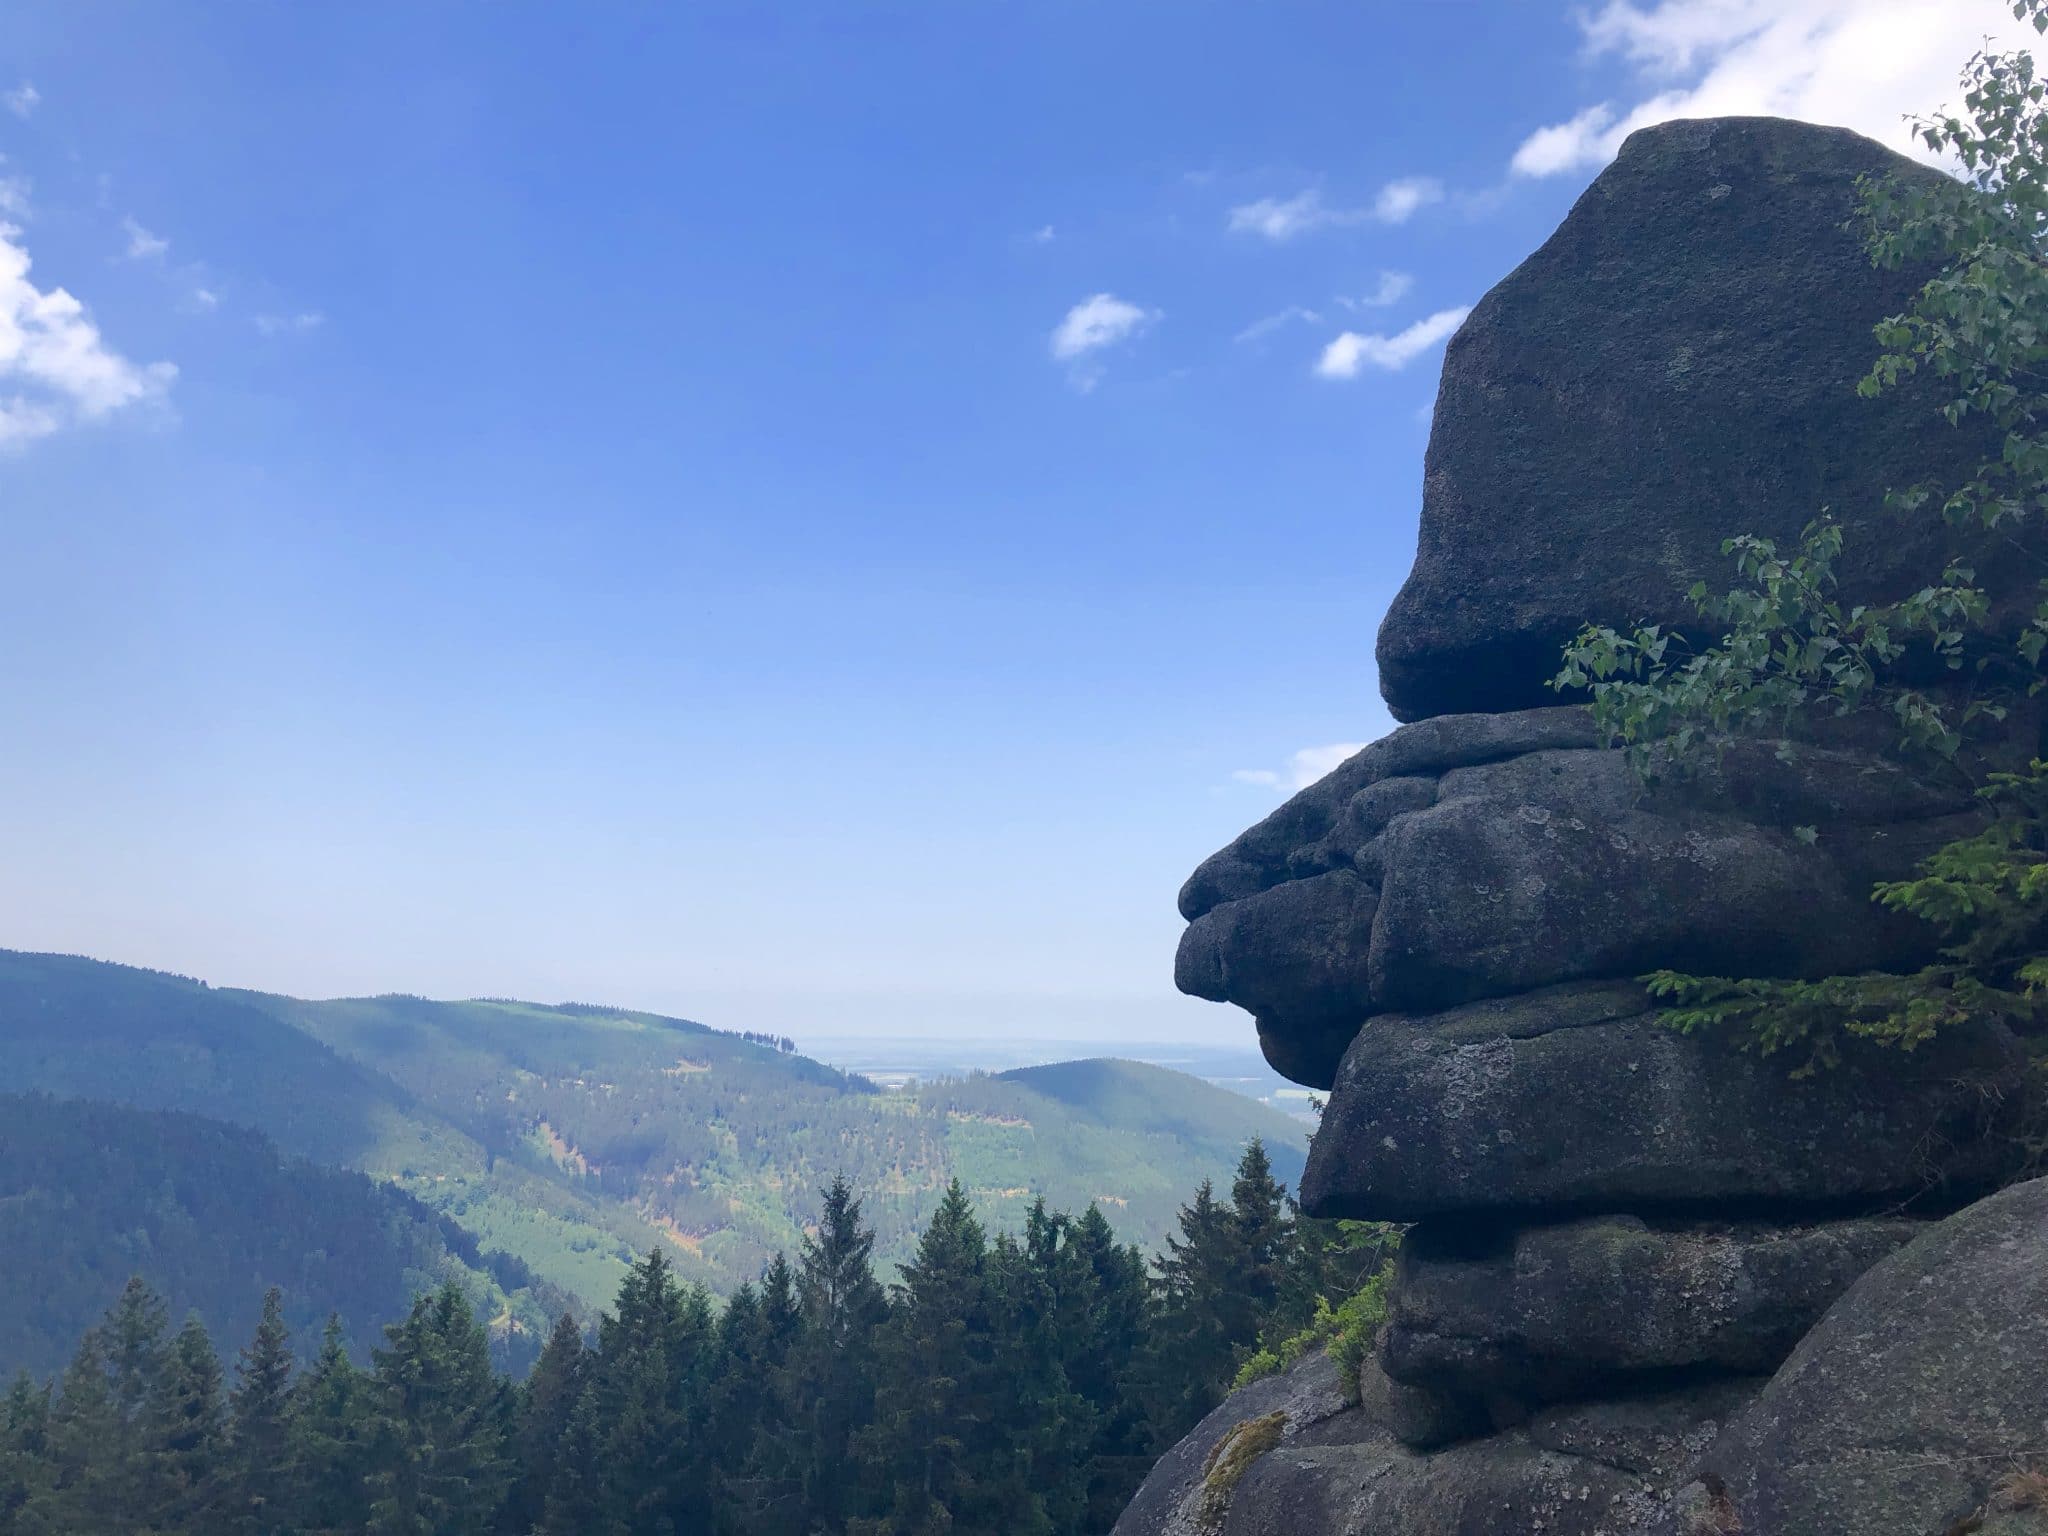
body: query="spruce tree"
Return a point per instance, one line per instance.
(256, 1425)
(734, 1398)
(438, 1463)
(327, 1430)
(1189, 1358)
(87, 1447)
(831, 1372)
(766, 1489)
(1034, 1453)
(932, 1391)
(25, 1466)
(647, 1400)
(546, 1406)
(1107, 1370)
(136, 1331)
(182, 1438)
(1264, 1238)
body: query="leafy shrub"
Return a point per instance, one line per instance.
(1346, 1330)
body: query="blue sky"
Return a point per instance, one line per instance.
(810, 516)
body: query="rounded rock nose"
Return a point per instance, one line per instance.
(1198, 967)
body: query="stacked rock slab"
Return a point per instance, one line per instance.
(1618, 1232)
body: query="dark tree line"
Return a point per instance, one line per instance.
(1015, 1384)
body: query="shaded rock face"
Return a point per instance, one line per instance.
(1682, 352)
(1923, 1386)
(1613, 1303)
(1577, 1099)
(1619, 1233)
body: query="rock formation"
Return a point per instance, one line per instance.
(1620, 1233)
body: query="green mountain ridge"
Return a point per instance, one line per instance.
(573, 1137)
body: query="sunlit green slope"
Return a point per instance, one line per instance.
(569, 1135)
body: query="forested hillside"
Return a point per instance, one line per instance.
(1017, 1384)
(91, 1194)
(574, 1138)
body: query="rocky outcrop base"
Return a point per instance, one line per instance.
(1916, 1407)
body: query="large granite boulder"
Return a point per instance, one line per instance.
(1676, 364)
(1923, 1387)
(1577, 1098)
(1611, 1303)
(1485, 855)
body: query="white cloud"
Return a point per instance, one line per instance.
(203, 299)
(291, 325)
(1398, 200)
(1391, 288)
(1350, 354)
(1259, 329)
(55, 368)
(1561, 146)
(1281, 219)
(1097, 322)
(14, 196)
(142, 245)
(1862, 64)
(1303, 768)
(22, 100)
(1045, 234)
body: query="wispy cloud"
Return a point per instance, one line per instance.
(55, 367)
(1097, 323)
(1303, 768)
(142, 245)
(1388, 288)
(23, 100)
(1399, 200)
(1261, 328)
(1281, 219)
(1045, 234)
(1862, 64)
(202, 299)
(291, 325)
(1351, 353)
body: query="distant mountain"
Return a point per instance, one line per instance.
(571, 1136)
(214, 1215)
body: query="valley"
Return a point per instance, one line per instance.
(561, 1142)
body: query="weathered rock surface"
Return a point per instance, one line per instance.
(1604, 1304)
(1501, 1486)
(1660, 1436)
(1480, 856)
(1679, 356)
(1317, 1412)
(1577, 1099)
(1598, 1471)
(1918, 1391)
(1584, 1469)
